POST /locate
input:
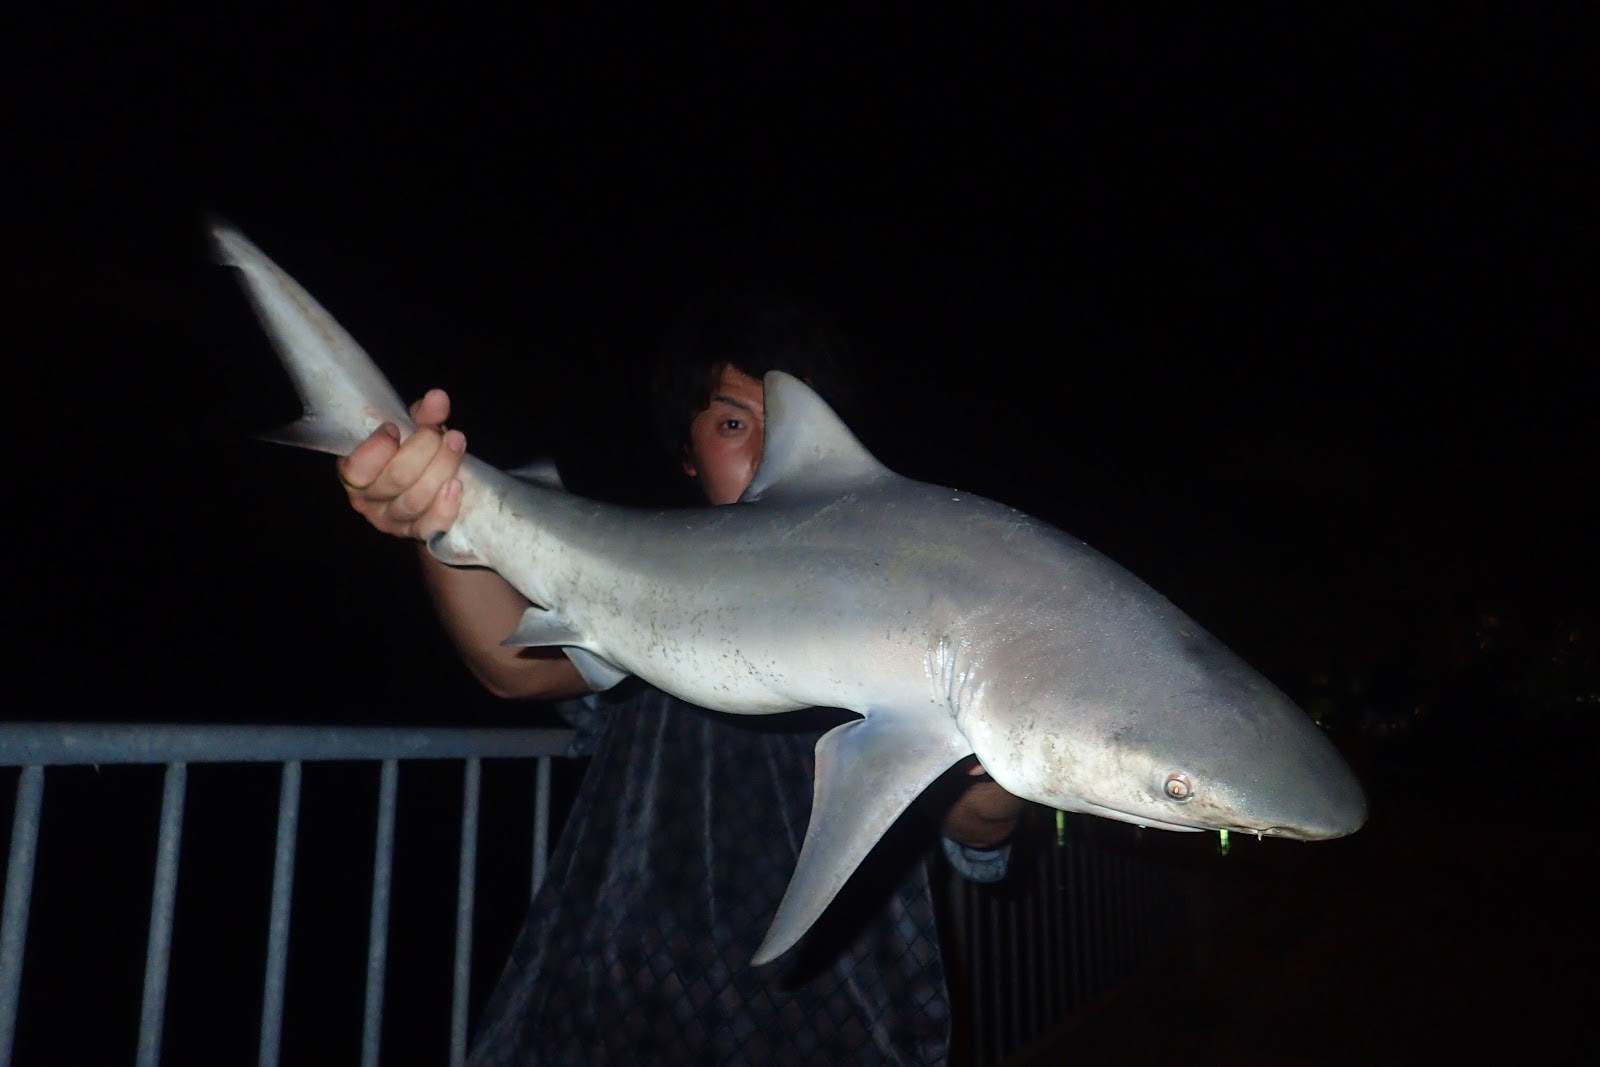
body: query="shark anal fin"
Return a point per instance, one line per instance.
(868, 772)
(541, 628)
(599, 674)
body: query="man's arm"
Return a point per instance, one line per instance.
(977, 827)
(983, 815)
(410, 489)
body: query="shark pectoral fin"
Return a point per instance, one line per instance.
(541, 628)
(868, 772)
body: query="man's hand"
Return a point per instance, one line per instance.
(984, 815)
(409, 488)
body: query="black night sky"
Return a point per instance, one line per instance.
(1290, 309)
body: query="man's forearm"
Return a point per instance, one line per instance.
(478, 609)
(984, 816)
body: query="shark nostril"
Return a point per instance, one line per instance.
(1178, 787)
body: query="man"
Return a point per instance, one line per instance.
(689, 822)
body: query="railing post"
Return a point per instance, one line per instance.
(152, 1014)
(278, 924)
(378, 930)
(541, 825)
(19, 894)
(466, 886)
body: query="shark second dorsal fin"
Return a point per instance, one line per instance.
(541, 472)
(808, 448)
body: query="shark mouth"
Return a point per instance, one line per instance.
(1147, 822)
(1143, 821)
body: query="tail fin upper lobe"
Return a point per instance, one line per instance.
(344, 395)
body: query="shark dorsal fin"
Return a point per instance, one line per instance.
(808, 449)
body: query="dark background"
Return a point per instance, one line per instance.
(1290, 309)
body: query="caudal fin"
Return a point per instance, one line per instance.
(344, 395)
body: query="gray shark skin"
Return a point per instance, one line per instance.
(952, 624)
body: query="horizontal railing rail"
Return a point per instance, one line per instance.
(60, 744)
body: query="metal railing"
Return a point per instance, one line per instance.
(34, 747)
(1087, 907)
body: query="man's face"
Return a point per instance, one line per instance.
(725, 439)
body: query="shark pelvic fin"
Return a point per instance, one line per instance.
(808, 449)
(541, 628)
(868, 772)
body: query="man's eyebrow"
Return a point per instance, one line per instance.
(735, 401)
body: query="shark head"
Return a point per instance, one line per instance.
(1127, 709)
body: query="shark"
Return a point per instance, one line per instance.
(951, 624)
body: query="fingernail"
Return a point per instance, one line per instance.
(391, 429)
(455, 441)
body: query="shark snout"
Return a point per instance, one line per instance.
(1338, 809)
(1350, 817)
(1302, 833)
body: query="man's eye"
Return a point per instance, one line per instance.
(731, 424)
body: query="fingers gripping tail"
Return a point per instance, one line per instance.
(344, 395)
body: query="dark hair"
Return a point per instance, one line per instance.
(755, 330)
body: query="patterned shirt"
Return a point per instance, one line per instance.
(677, 851)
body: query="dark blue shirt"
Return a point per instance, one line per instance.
(674, 858)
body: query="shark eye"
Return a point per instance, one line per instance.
(1178, 786)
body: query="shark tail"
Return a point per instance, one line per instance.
(344, 395)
